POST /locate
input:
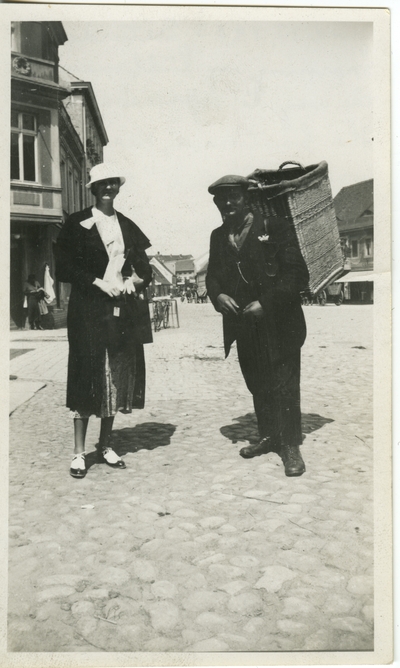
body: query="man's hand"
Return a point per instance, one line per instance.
(253, 310)
(227, 305)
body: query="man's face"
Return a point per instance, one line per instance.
(231, 201)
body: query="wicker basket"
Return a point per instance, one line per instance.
(303, 195)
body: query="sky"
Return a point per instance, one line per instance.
(186, 102)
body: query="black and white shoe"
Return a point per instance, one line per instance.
(78, 466)
(111, 458)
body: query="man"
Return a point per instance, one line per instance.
(254, 278)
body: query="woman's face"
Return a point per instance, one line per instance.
(106, 190)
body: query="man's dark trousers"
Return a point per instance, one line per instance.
(274, 383)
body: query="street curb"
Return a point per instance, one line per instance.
(22, 391)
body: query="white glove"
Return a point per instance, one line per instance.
(129, 286)
(108, 288)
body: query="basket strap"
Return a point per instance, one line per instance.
(291, 162)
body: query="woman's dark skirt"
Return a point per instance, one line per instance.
(123, 383)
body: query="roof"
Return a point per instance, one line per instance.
(201, 262)
(69, 128)
(361, 223)
(58, 31)
(156, 262)
(184, 265)
(358, 277)
(172, 258)
(353, 202)
(159, 277)
(85, 88)
(202, 268)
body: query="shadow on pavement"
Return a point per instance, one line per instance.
(146, 436)
(312, 421)
(16, 352)
(245, 427)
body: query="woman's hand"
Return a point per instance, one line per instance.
(253, 310)
(137, 281)
(108, 288)
(129, 286)
(227, 304)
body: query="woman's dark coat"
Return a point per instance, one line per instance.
(81, 258)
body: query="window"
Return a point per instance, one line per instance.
(23, 146)
(77, 189)
(354, 248)
(70, 191)
(31, 39)
(36, 41)
(70, 183)
(64, 187)
(345, 246)
(368, 247)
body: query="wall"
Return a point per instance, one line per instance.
(364, 260)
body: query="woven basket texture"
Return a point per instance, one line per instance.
(304, 197)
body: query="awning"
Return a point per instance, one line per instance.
(357, 277)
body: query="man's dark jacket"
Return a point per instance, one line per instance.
(275, 272)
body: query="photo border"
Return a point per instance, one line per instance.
(383, 652)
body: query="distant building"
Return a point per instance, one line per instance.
(184, 272)
(181, 266)
(201, 267)
(163, 281)
(171, 260)
(354, 206)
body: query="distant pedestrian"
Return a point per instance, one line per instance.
(255, 276)
(36, 305)
(102, 254)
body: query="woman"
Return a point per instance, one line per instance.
(102, 254)
(35, 301)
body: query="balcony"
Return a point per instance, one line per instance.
(33, 68)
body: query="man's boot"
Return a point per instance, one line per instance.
(261, 448)
(292, 459)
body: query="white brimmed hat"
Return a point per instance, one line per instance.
(104, 171)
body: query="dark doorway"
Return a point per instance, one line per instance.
(16, 291)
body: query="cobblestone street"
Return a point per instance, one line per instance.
(192, 548)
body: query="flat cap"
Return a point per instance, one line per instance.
(229, 181)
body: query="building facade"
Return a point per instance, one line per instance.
(82, 140)
(163, 282)
(84, 113)
(51, 155)
(201, 268)
(354, 206)
(36, 199)
(185, 272)
(181, 267)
